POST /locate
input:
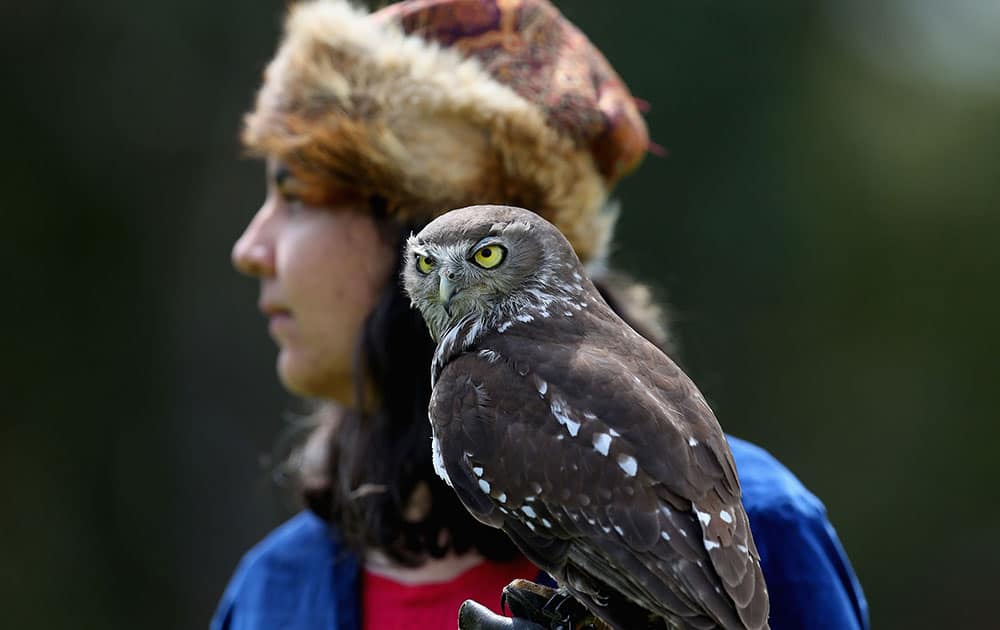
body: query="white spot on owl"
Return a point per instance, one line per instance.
(614, 433)
(478, 470)
(438, 460)
(535, 487)
(710, 545)
(568, 313)
(447, 344)
(726, 516)
(546, 522)
(528, 511)
(484, 486)
(473, 333)
(607, 530)
(704, 517)
(542, 387)
(489, 355)
(524, 317)
(542, 297)
(620, 531)
(743, 548)
(450, 336)
(692, 442)
(504, 326)
(602, 443)
(530, 525)
(664, 535)
(560, 411)
(502, 498)
(544, 313)
(628, 464)
(504, 510)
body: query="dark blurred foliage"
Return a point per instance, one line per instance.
(825, 225)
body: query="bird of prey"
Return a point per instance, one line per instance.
(555, 421)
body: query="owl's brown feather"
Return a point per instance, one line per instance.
(605, 520)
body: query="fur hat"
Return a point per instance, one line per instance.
(437, 104)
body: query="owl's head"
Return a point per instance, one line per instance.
(489, 261)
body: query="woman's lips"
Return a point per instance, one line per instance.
(279, 318)
(279, 322)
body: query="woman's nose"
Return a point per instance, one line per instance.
(253, 252)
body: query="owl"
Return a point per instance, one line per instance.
(556, 422)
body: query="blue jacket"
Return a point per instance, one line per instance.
(301, 578)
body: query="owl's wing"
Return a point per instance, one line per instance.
(621, 380)
(524, 455)
(661, 428)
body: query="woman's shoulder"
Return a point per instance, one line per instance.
(769, 486)
(290, 579)
(810, 579)
(302, 538)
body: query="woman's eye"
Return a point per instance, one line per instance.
(489, 256)
(424, 263)
(289, 188)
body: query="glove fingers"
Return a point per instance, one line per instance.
(474, 616)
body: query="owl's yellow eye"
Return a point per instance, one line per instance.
(425, 263)
(489, 256)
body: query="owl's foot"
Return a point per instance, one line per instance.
(549, 608)
(525, 599)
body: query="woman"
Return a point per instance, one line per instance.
(370, 126)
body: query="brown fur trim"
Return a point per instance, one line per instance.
(352, 103)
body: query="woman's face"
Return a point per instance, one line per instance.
(321, 270)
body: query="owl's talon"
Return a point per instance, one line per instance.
(525, 599)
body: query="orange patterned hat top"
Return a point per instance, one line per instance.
(530, 47)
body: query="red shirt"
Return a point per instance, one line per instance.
(387, 604)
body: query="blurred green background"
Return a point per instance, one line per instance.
(825, 225)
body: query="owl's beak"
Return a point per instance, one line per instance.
(446, 290)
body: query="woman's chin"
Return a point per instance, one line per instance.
(304, 376)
